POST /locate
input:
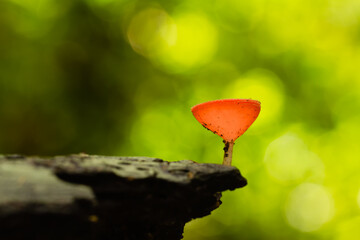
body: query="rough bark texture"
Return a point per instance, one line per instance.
(99, 197)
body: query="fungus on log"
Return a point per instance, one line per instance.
(228, 118)
(101, 197)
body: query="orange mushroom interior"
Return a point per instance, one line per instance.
(228, 118)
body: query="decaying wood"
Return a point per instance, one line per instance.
(100, 197)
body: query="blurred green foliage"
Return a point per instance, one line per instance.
(118, 77)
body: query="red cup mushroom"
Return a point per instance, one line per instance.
(228, 118)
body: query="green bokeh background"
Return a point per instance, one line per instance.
(118, 77)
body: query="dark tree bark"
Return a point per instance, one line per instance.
(99, 197)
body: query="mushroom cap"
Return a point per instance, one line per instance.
(228, 118)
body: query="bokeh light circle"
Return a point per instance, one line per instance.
(150, 31)
(195, 45)
(309, 207)
(287, 159)
(174, 43)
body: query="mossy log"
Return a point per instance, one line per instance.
(100, 197)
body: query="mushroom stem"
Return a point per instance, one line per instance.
(228, 149)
